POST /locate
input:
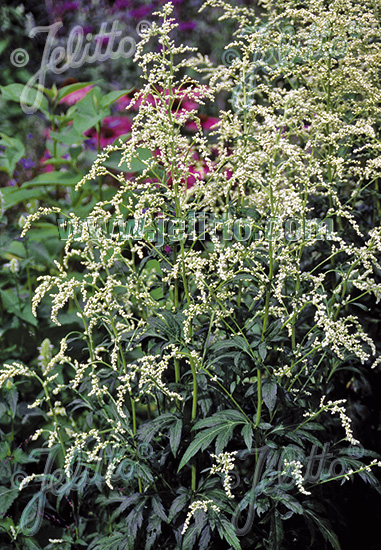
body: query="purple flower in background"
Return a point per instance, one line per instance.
(26, 163)
(187, 26)
(12, 182)
(104, 40)
(121, 4)
(168, 249)
(30, 136)
(173, 2)
(141, 12)
(66, 7)
(90, 143)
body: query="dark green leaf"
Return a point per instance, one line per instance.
(175, 435)
(7, 498)
(269, 392)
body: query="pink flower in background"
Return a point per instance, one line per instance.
(197, 172)
(124, 102)
(46, 167)
(207, 122)
(181, 96)
(72, 98)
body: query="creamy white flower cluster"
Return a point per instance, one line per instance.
(45, 355)
(15, 369)
(224, 464)
(296, 473)
(198, 505)
(148, 372)
(336, 407)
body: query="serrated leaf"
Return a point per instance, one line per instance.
(269, 393)
(179, 504)
(325, 529)
(247, 432)
(158, 508)
(148, 430)
(218, 424)
(289, 501)
(237, 342)
(203, 543)
(189, 539)
(276, 532)
(153, 531)
(7, 498)
(226, 531)
(175, 435)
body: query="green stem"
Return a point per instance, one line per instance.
(259, 406)
(134, 430)
(194, 415)
(100, 178)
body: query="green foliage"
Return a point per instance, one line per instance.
(178, 382)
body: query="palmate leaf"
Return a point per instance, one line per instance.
(166, 325)
(117, 541)
(325, 529)
(148, 430)
(158, 508)
(288, 500)
(227, 532)
(179, 504)
(153, 531)
(219, 427)
(167, 421)
(237, 342)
